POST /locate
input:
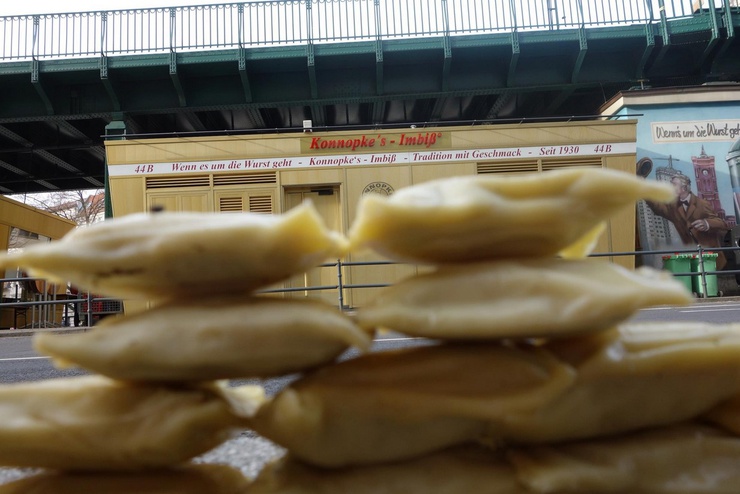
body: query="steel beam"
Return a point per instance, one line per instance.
(379, 107)
(501, 101)
(558, 101)
(311, 65)
(176, 82)
(115, 102)
(515, 52)
(728, 24)
(378, 50)
(256, 117)
(13, 169)
(318, 115)
(17, 138)
(244, 76)
(436, 113)
(582, 50)
(39, 87)
(665, 34)
(714, 39)
(649, 47)
(194, 121)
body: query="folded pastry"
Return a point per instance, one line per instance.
(399, 404)
(634, 377)
(471, 218)
(204, 339)
(465, 469)
(392, 405)
(188, 479)
(165, 255)
(519, 298)
(727, 415)
(93, 423)
(684, 459)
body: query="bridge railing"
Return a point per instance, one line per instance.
(301, 22)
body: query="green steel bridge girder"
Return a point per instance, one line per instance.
(505, 75)
(324, 74)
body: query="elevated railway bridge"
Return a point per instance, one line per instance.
(267, 66)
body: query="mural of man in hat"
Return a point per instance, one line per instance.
(695, 220)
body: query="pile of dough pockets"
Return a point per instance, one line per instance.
(527, 375)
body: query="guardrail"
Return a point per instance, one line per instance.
(51, 305)
(702, 274)
(304, 22)
(50, 309)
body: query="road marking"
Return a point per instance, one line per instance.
(708, 309)
(397, 339)
(22, 358)
(694, 307)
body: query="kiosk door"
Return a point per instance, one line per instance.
(327, 202)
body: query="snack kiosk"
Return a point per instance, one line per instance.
(274, 172)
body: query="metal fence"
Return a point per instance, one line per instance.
(49, 309)
(36, 303)
(303, 22)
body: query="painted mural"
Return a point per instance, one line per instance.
(695, 148)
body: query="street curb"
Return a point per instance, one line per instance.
(714, 300)
(29, 332)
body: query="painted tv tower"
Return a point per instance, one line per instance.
(706, 181)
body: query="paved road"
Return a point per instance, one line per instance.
(714, 311)
(18, 362)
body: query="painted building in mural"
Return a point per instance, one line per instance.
(686, 136)
(271, 173)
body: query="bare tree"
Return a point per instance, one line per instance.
(84, 207)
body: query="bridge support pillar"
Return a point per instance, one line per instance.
(115, 130)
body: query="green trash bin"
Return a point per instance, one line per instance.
(710, 264)
(679, 263)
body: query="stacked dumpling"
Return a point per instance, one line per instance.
(158, 396)
(530, 381)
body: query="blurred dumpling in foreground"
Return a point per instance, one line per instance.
(395, 405)
(519, 299)
(464, 469)
(223, 338)
(633, 377)
(683, 459)
(188, 479)
(471, 218)
(167, 255)
(92, 423)
(398, 404)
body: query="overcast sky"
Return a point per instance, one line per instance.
(10, 7)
